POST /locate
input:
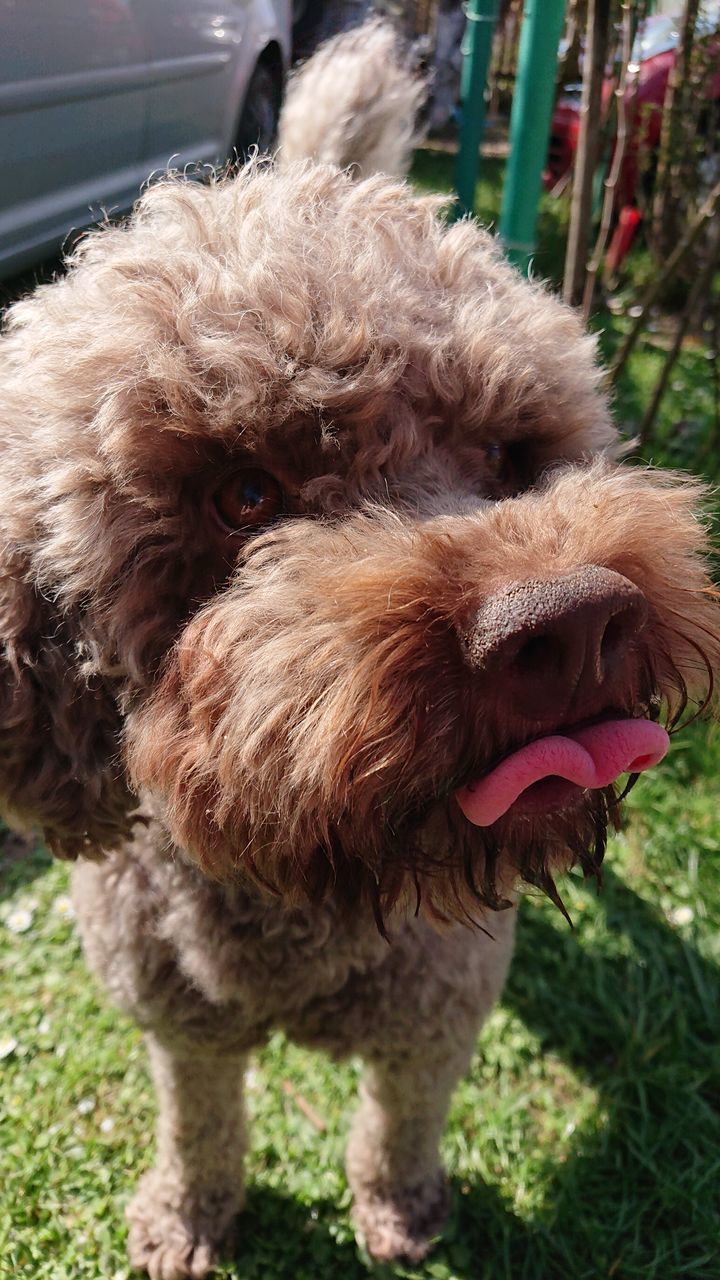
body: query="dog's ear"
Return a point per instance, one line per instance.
(60, 767)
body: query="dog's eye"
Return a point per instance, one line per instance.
(496, 457)
(247, 500)
(507, 466)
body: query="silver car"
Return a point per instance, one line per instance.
(95, 95)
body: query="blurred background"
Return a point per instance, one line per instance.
(586, 133)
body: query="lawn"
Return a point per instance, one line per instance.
(585, 1142)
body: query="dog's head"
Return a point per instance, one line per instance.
(312, 529)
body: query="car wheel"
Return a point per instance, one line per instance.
(258, 122)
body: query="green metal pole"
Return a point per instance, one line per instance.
(530, 127)
(477, 47)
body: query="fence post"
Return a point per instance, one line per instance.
(530, 118)
(477, 47)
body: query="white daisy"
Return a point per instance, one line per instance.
(19, 920)
(680, 916)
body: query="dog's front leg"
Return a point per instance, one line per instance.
(186, 1203)
(393, 1163)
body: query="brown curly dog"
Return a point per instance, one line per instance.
(327, 617)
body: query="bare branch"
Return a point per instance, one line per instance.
(611, 182)
(586, 159)
(706, 211)
(702, 280)
(672, 159)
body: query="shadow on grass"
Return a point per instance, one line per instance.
(634, 1011)
(21, 861)
(278, 1237)
(637, 1198)
(643, 1028)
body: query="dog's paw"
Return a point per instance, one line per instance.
(401, 1222)
(173, 1237)
(175, 1256)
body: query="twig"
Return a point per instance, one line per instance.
(712, 447)
(303, 1105)
(704, 214)
(700, 284)
(672, 159)
(611, 182)
(586, 158)
(561, 185)
(568, 62)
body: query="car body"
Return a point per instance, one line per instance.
(97, 95)
(653, 57)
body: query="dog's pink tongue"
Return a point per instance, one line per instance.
(589, 758)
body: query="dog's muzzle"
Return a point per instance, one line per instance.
(555, 641)
(560, 650)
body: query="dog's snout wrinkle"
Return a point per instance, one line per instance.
(559, 641)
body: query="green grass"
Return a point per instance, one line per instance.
(585, 1141)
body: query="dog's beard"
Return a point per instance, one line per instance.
(361, 809)
(428, 858)
(434, 862)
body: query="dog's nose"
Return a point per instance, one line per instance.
(553, 643)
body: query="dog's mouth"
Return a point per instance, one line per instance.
(552, 773)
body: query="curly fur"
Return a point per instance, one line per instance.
(258, 738)
(355, 102)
